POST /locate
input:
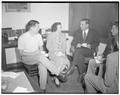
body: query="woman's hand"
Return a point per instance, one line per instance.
(72, 49)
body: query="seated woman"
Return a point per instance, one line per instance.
(113, 36)
(56, 45)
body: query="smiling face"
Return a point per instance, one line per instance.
(114, 30)
(35, 28)
(59, 27)
(83, 25)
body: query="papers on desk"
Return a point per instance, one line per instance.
(10, 74)
(21, 89)
(12, 55)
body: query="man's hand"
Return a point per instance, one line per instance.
(29, 53)
(78, 45)
(89, 46)
(72, 49)
(86, 45)
(99, 59)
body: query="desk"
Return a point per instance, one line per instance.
(9, 44)
(4, 46)
(20, 81)
(15, 62)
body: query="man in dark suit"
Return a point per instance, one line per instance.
(84, 44)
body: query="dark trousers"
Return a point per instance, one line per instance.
(79, 56)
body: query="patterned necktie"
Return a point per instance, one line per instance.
(84, 35)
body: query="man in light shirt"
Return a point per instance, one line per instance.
(30, 45)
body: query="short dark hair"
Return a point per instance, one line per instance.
(54, 26)
(116, 23)
(30, 24)
(86, 20)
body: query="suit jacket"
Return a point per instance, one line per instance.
(92, 38)
(112, 72)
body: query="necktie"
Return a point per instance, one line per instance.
(84, 35)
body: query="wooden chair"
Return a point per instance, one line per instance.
(32, 70)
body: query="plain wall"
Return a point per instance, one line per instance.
(100, 15)
(45, 13)
(77, 11)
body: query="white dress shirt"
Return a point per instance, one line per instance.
(86, 31)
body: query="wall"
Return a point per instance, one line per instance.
(100, 14)
(77, 11)
(45, 13)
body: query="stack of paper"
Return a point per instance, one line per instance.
(12, 55)
(21, 89)
(10, 74)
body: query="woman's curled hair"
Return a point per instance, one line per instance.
(54, 26)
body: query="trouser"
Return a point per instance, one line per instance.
(78, 58)
(43, 64)
(94, 82)
(60, 61)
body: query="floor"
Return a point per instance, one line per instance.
(71, 86)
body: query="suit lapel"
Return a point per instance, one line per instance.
(88, 35)
(81, 36)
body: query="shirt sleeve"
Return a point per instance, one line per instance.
(21, 43)
(110, 71)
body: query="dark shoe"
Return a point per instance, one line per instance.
(82, 80)
(58, 86)
(71, 70)
(43, 91)
(62, 77)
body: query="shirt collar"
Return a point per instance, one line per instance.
(86, 31)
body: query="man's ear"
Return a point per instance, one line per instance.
(87, 25)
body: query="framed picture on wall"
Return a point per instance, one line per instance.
(17, 7)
